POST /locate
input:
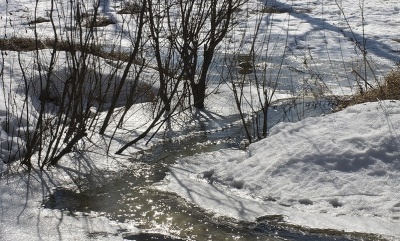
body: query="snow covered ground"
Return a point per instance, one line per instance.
(339, 171)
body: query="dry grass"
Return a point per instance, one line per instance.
(390, 90)
(38, 20)
(100, 21)
(130, 8)
(277, 10)
(21, 44)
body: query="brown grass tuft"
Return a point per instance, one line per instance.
(390, 90)
(21, 44)
(267, 9)
(130, 8)
(38, 20)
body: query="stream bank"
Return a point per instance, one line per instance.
(129, 197)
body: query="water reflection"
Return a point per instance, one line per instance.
(129, 197)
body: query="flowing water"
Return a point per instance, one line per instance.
(128, 197)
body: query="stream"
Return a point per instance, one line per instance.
(129, 196)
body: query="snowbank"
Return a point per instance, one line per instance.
(339, 171)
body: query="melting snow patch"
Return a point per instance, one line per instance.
(344, 164)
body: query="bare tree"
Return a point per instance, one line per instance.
(203, 24)
(182, 32)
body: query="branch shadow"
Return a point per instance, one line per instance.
(372, 46)
(216, 197)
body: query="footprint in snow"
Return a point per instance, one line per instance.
(396, 207)
(306, 201)
(335, 203)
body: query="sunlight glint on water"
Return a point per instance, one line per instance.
(128, 197)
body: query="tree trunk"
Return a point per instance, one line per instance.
(199, 94)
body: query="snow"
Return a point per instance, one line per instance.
(338, 171)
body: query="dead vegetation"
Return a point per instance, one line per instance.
(276, 10)
(100, 21)
(389, 90)
(22, 44)
(280, 10)
(130, 8)
(38, 20)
